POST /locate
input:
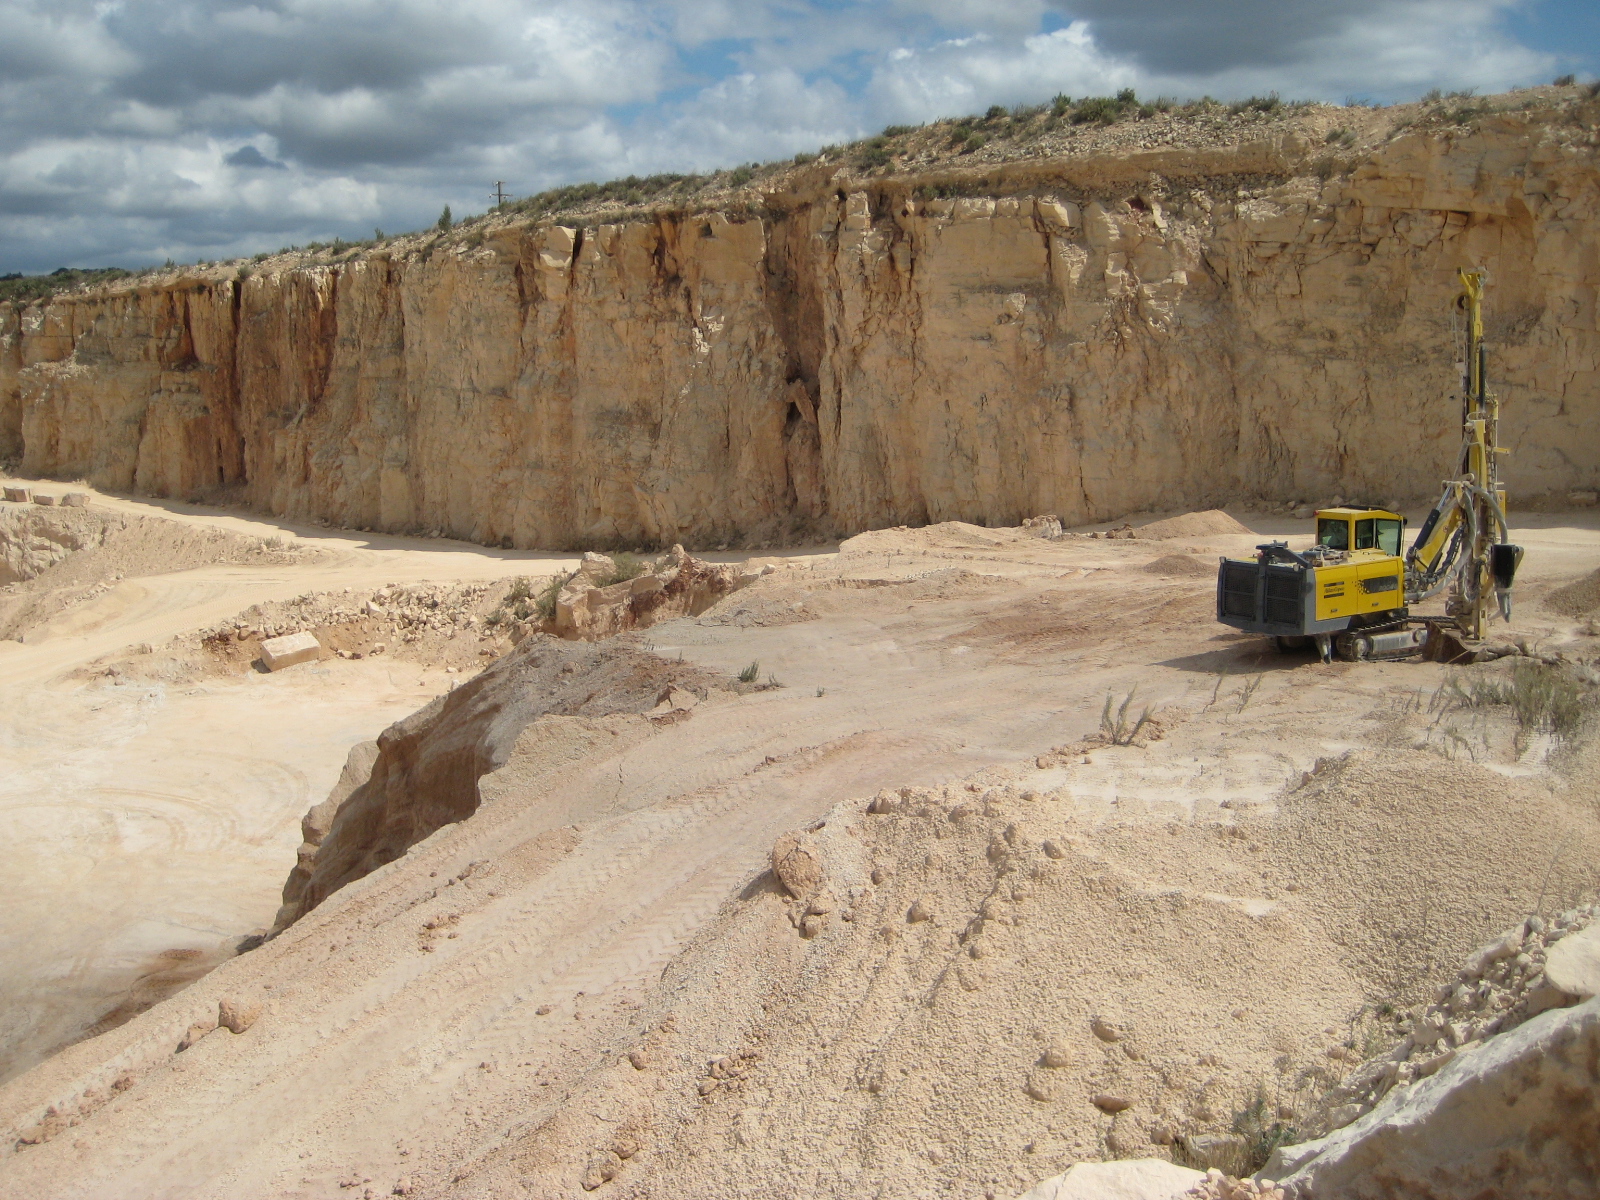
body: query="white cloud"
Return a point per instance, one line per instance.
(117, 118)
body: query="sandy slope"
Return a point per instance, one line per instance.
(150, 815)
(461, 1019)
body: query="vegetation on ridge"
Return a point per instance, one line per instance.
(1003, 132)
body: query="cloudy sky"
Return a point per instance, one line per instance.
(132, 131)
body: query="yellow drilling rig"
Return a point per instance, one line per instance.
(1352, 590)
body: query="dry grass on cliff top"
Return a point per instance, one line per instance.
(947, 157)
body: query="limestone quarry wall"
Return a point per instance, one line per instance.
(1161, 329)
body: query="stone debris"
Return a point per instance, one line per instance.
(194, 1033)
(1220, 1186)
(236, 1015)
(1514, 1117)
(75, 500)
(280, 652)
(593, 603)
(1502, 985)
(45, 499)
(19, 495)
(1125, 1179)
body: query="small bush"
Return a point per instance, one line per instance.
(1261, 104)
(545, 605)
(1092, 109)
(1116, 730)
(1061, 105)
(894, 131)
(751, 673)
(997, 112)
(1564, 80)
(741, 176)
(974, 141)
(1261, 1135)
(624, 567)
(873, 153)
(521, 589)
(1543, 699)
(1432, 94)
(445, 220)
(802, 159)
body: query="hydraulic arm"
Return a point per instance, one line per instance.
(1463, 544)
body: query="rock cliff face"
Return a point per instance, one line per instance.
(1088, 336)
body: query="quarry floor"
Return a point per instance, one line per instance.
(151, 823)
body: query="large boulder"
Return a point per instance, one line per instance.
(1518, 1115)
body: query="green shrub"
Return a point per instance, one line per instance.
(445, 220)
(974, 141)
(1542, 698)
(1092, 109)
(751, 673)
(1261, 1134)
(545, 605)
(1061, 105)
(624, 566)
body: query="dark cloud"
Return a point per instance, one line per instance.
(249, 156)
(1199, 37)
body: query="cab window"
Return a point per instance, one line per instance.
(1389, 536)
(1333, 533)
(1366, 533)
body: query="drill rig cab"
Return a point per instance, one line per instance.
(1352, 591)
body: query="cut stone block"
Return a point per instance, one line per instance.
(280, 652)
(76, 500)
(44, 498)
(19, 495)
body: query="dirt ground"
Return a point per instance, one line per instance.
(1038, 948)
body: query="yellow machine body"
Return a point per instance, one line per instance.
(1370, 579)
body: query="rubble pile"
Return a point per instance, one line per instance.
(1501, 986)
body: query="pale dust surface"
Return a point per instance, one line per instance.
(152, 815)
(594, 980)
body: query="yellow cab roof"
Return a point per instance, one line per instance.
(1347, 513)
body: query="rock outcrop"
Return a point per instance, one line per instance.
(1085, 336)
(1519, 1116)
(593, 603)
(423, 771)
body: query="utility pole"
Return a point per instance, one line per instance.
(500, 194)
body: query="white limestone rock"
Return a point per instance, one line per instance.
(1129, 1179)
(1573, 963)
(1497, 1120)
(280, 652)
